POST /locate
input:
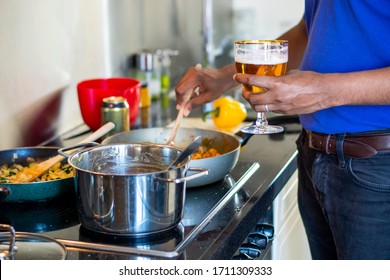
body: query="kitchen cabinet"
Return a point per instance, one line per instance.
(290, 242)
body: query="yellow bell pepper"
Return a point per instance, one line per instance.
(227, 113)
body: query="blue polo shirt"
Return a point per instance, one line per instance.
(347, 36)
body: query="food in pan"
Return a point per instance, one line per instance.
(204, 152)
(57, 172)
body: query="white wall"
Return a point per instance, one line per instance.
(265, 19)
(46, 46)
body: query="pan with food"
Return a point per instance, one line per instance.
(35, 174)
(56, 181)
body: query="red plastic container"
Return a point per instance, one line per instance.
(92, 92)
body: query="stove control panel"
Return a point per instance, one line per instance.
(257, 245)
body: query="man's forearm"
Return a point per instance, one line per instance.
(371, 87)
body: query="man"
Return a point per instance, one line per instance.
(341, 93)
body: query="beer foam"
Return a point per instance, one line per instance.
(260, 54)
(272, 59)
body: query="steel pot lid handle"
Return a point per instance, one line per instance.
(11, 249)
(29, 246)
(4, 193)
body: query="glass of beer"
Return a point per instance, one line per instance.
(261, 57)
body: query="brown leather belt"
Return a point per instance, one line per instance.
(355, 146)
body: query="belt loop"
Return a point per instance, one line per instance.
(340, 149)
(326, 143)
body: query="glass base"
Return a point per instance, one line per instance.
(269, 129)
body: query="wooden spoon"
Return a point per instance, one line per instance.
(30, 174)
(187, 97)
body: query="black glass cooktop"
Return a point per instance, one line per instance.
(58, 218)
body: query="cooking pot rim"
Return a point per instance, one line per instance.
(74, 156)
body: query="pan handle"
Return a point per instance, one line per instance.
(201, 172)
(4, 193)
(81, 145)
(243, 137)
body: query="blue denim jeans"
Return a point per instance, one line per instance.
(344, 203)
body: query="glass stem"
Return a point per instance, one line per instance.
(261, 121)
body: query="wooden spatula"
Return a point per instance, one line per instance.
(30, 174)
(187, 97)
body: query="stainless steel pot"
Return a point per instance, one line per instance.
(228, 145)
(125, 189)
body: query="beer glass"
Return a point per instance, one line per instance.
(261, 57)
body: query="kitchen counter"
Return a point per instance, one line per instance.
(271, 161)
(277, 158)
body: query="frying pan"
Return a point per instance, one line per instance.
(227, 145)
(40, 191)
(34, 191)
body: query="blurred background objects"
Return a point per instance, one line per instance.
(48, 46)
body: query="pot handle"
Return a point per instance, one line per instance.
(81, 145)
(201, 172)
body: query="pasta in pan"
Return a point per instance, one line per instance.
(57, 172)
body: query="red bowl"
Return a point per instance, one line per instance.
(92, 92)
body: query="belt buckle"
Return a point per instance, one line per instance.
(319, 142)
